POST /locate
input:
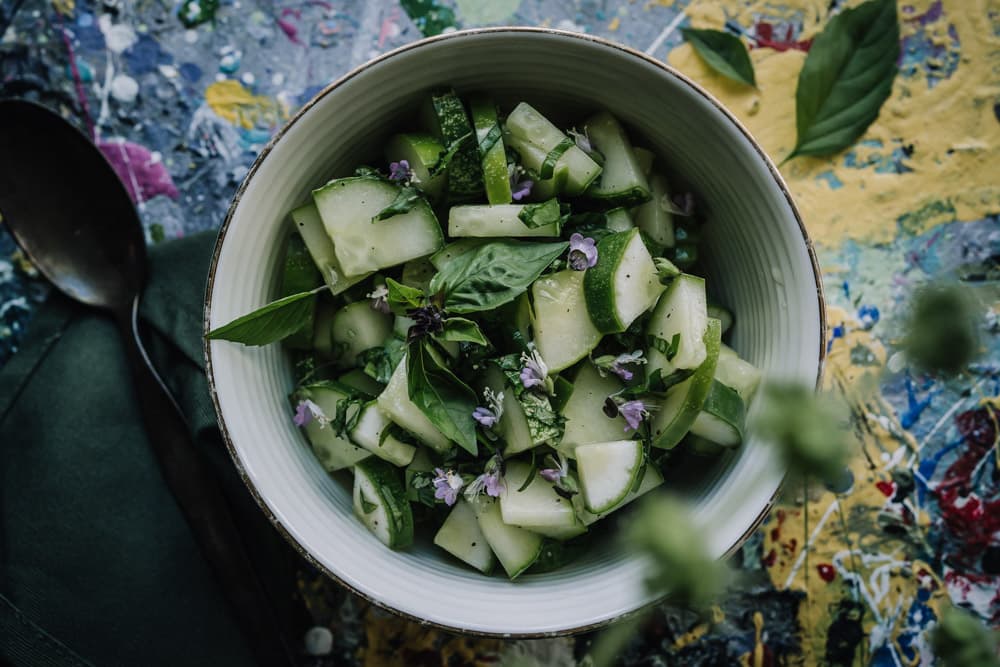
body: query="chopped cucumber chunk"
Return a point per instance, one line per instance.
(722, 314)
(619, 220)
(623, 284)
(421, 151)
(461, 536)
(608, 471)
(380, 502)
(645, 158)
(622, 183)
(538, 505)
(449, 120)
(494, 157)
(373, 432)
(680, 312)
(334, 452)
(722, 416)
(515, 548)
(395, 402)
(734, 372)
(564, 332)
(490, 221)
(655, 217)
(584, 411)
(310, 225)
(355, 328)
(527, 124)
(651, 478)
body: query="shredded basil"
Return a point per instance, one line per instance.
(490, 140)
(669, 350)
(549, 164)
(406, 200)
(446, 156)
(546, 213)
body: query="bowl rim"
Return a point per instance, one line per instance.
(465, 34)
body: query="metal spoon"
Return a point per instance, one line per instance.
(70, 213)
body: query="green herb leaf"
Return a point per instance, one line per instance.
(446, 156)
(724, 52)
(444, 399)
(270, 323)
(349, 411)
(461, 330)
(847, 76)
(406, 200)
(366, 505)
(549, 164)
(490, 140)
(539, 215)
(492, 274)
(669, 350)
(544, 424)
(379, 363)
(402, 297)
(365, 171)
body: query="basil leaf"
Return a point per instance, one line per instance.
(278, 319)
(379, 363)
(539, 215)
(349, 411)
(549, 164)
(544, 424)
(366, 505)
(669, 350)
(492, 274)
(724, 52)
(490, 140)
(446, 156)
(846, 77)
(444, 399)
(365, 171)
(402, 297)
(406, 200)
(461, 330)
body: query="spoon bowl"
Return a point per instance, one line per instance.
(61, 187)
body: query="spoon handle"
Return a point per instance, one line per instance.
(198, 493)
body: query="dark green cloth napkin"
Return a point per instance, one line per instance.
(97, 565)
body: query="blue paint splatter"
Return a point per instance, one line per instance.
(914, 407)
(868, 316)
(846, 286)
(837, 332)
(190, 72)
(146, 55)
(830, 179)
(929, 465)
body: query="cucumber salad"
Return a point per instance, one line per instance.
(502, 335)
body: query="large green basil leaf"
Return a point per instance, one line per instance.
(443, 398)
(269, 323)
(847, 76)
(492, 274)
(723, 52)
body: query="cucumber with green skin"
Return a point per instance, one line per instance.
(380, 502)
(494, 159)
(449, 120)
(683, 402)
(618, 220)
(737, 373)
(515, 548)
(333, 451)
(651, 478)
(309, 224)
(655, 217)
(421, 151)
(370, 433)
(622, 181)
(608, 472)
(300, 275)
(532, 157)
(723, 416)
(395, 402)
(680, 313)
(535, 506)
(348, 208)
(623, 284)
(564, 332)
(461, 536)
(476, 220)
(527, 124)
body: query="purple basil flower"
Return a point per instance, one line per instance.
(519, 187)
(306, 411)
(400, 171)
(495, 484)
(633, 412)
(550, 474)
(534, 372)
(491, 480)
(447, 485)
(582, 252)
(618, 365)
(582, 140)
(484, 416)
(379, 299)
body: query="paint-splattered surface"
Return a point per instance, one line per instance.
(181, 96)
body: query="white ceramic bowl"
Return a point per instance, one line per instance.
(757, 256)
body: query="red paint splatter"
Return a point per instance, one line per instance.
(769, 559)
(886, 487)
(776, 531)
(826, 572)
(790, 546)
(764, 37)
(144, 177)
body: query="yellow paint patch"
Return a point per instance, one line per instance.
(615, 23)
(239, 106)
(396, 642)
(64, 7)
(951, 127)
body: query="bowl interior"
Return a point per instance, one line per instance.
(755, 256)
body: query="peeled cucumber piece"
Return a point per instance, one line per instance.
(681, 311)
(618, 220)
(623, 284)
(395, 402)
(722, 417)
(421, 151)
(370, 433)
(532, 157)
(380, 502)
(564, 332)
(461, 536)
(607, 472)
(310, 225)
(494, 158)
(448, 119)
(651, 479)
(734, 372)
(623, 182)
(502, 220)
(684, 401)
(584, 411)
(526, 123)
(334, 452)
(515, 548)
(348, 207)
(655, 217)
(538, 505)
(355, 328)
(645, 158)
(299, 274)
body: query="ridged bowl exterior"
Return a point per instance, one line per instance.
(757, 256)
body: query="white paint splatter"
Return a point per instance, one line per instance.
(569, 25)
(117, 36)
(248, 78)
(168, 71)
(124, 89)
(190, 36)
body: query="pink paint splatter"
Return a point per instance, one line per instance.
(144, 176)
(389, 28)
(288, 27)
